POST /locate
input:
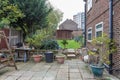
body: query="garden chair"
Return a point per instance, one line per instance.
(7, 60)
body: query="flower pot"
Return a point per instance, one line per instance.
(60, 59)
(37, 58)
(81, 58)
(97, 70)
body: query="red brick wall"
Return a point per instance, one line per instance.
(116, 25)
(100, 13)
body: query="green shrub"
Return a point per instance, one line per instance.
(49, 44)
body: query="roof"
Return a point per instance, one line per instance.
(68, 25)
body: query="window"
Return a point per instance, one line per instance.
(89, 4)
(89, 31)
(99, 29)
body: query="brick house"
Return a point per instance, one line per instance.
(67, 30)
(98, 20)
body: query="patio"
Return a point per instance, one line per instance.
(73, 69)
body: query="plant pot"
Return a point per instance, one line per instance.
(81, 58)
(97, 70)
(49, 57)
(37, 58)
(60, 59)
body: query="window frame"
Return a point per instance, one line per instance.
(100, 29)
(89, 32)
(89, 4)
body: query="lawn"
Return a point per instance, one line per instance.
(71, 44)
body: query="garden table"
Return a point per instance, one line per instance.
(24, 52)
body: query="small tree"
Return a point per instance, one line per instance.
(64, 42)
(36, 39)
(105, 46)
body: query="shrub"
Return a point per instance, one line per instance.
(49, 44)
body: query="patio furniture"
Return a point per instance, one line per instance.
(71, 53)
(22, 54)
(7, 60)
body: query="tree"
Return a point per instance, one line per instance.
(35, 11)
(9, 13)
(54, 17)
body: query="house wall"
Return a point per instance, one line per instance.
(100, 13)
(77, 33)
(116, 26)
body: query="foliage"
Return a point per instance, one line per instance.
(102, 44)
(54, 17)
(35, 11)
(9, 13)
(79, 39)
(49, 44)
(71, 44)
(64, 42)
(36, 40)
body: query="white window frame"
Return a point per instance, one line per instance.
(89, 32)
(89, 4)
(99, 29)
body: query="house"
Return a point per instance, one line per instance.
(68, 25)
(102, 16)
(67, 30)
(14, 37)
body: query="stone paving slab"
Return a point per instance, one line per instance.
(73, 69)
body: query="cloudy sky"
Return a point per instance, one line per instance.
(68, 7)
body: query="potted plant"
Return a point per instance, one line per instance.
(35, 41)
(49, 45)
(104, 46)
(60, 58)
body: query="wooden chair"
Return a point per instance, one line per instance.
(9, 59)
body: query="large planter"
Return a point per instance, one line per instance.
(60, 59)
(97, 71)
(37, 58)
(49, 57)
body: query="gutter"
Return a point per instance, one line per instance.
(110, 33)
(85, 7)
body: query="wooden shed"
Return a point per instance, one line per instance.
(64, 34)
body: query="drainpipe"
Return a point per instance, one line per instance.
(111, 32)
(85, 24)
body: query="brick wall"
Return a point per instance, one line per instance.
(116, 25)
(100, 13)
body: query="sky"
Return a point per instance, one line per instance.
(68, 7)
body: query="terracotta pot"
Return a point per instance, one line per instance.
(60, 59)
(81, 58)
(37, 58)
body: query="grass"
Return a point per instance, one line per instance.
(71, 44)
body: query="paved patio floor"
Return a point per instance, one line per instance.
(71, 70)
